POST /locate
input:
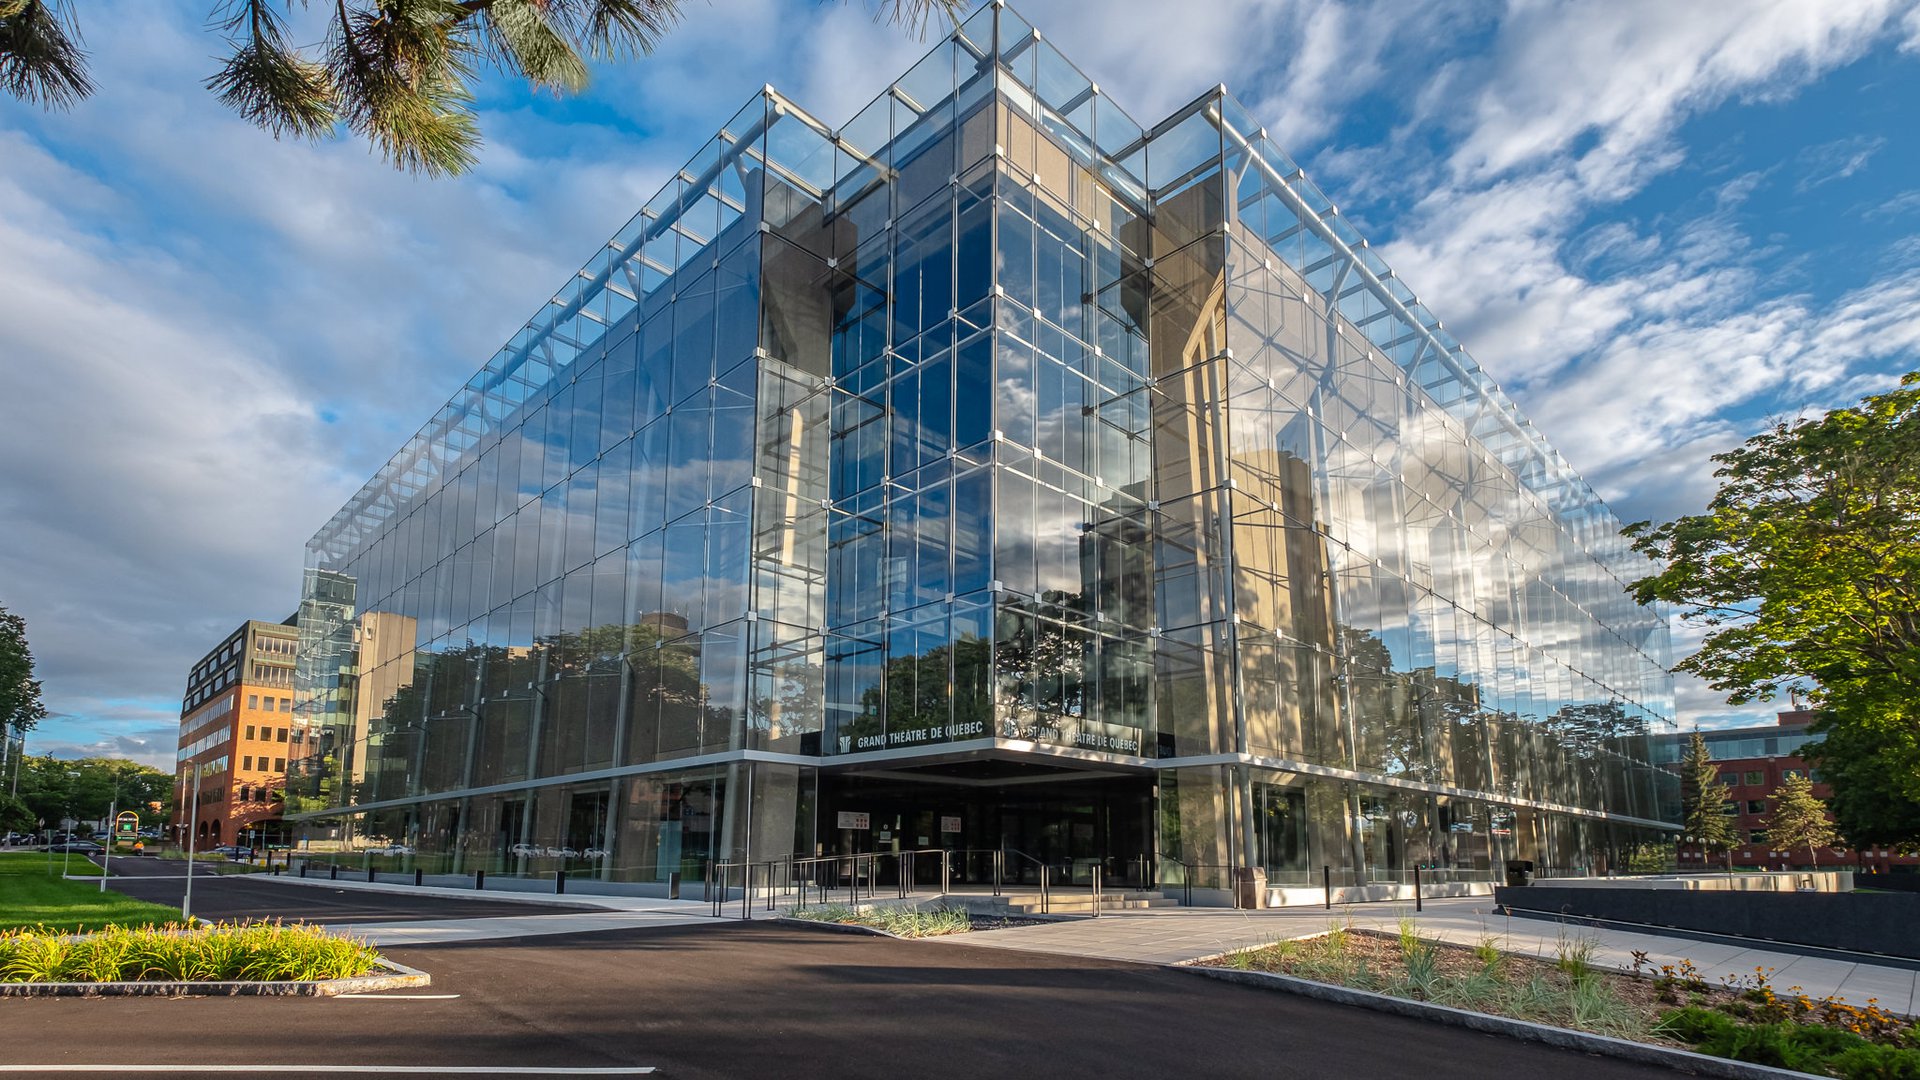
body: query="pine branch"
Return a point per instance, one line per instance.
(521, 39)
(268, 82)
(40, 56)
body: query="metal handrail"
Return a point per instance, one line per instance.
(1046, 906)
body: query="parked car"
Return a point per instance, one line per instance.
(83, 847)
(231, 851)
(391, 849)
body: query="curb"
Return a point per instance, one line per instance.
(1564, 1038)
(393, 977)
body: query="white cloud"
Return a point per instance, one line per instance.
(1837, 160)
(1624, 73)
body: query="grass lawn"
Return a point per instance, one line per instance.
(30, 896)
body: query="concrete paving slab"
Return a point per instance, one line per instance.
(1176, 935)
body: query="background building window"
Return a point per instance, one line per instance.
(1756, 806)
(283, 734)
(1730, 808)
(246, 761)
(1755, 776)
(279, 764)
(253, 701)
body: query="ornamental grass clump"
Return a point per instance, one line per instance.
(255, 952)
(904, 922)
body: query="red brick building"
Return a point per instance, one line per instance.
(1753, 762)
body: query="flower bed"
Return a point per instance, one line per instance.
(257, 952)
(1747, 1020)
(1743, 1019)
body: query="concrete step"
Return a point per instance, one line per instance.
(1070, 902)
(1065, 902)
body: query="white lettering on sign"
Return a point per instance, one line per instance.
(850, 820)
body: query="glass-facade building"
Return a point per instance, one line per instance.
(989, 472)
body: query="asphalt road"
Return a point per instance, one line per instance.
(764, 1000)
(237, 896)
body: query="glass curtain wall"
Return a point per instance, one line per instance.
(989, 421)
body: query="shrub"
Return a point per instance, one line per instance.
(1693, 1024)
(1870, 1062)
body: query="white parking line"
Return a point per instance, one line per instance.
(395, 997)
(375, 1069)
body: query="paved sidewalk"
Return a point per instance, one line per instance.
(506, 895)
(1170, 936)
(616, 913)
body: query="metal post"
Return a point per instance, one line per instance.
(333, 871)
(998, 858)
(419, 876)
(946, 872)
(1046, 905)
(1326, 881)
(560, 881)
(673, 884)
(193, 818)
(1096, 890)
(1418, 905)
(106, 860)
(746, 891)
(479, 879)
(370, 868)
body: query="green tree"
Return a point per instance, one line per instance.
(20, 706)
(1805, 572)
(14, 815)
(1873, 766)
(1703, 798)
(1799, 819)
(84, 788)
(396, 73)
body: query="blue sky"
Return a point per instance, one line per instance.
(1657, 224)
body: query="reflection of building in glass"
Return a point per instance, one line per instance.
(1753, 762)
(1008, 474)
(236, 726)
